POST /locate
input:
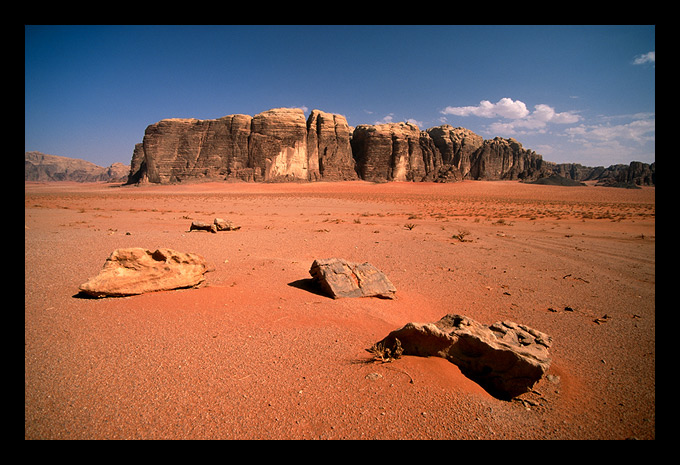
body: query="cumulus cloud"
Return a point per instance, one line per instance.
(504, 108)
(414, 121)
(521, 120)
(640, 131)
(386, 119)
(649, 57)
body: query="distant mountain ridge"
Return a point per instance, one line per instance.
(46, 168)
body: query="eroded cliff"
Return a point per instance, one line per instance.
(281, 145)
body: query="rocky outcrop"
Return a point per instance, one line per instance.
(180, 149)
(340, 278)
(275, 145)
(388, 152)
(45, 168)
(457, 147)
(634, 174)
(218, 224)
(135, 270)
(280, 145)
(506, 358)
(329, 149)
(505, 159)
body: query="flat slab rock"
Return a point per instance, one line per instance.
(136, 270)
(341, 278)
(505, 358)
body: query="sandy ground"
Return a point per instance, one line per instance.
(258, 353)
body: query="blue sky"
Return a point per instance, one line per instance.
(583, 94)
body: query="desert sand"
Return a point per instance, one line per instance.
(257, 352)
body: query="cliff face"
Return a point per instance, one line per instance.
(280, 145)
(457, 147)
(389, 152)
(505, 159)
(634, 174)
(275, 145)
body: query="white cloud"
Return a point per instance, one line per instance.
(640, 131)
(649, 57)
(522, 121)
(548, 114)
(420, 124)
(386, 119)
(504, 108)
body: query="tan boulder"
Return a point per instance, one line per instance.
(136, 270)
(506, 358)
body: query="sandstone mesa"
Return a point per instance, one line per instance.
(280, 145)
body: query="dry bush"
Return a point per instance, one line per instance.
(461, 235)
(384, 354)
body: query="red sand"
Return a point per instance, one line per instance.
(256, 353)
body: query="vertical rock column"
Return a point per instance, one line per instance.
(277, 146)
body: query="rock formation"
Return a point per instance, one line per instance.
(280, 145)
(457, 147)
(340, 278)
(329, 149)
(634, 174)
(505, 159)
(275, 145)
(506, 358)
(218, 224)
(389, 152)
(45, 168)
(134, 271)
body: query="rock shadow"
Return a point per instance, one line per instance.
(309, 285)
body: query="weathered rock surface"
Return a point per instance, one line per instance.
(279, 145)
(42, 167)
(457, 147)
(202, 226)
(225, 225)
(389, 152)
(340, 278)
(191, 149)
(277, 148)
(505, 159)
(506, 358)
(329, 149)
(218, 224)
(634, 174)
(135, 270)
(275, 145)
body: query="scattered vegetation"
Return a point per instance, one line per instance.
(384, 354)
(461, 235)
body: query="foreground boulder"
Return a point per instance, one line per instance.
(135, 270)
(340, 278)
(505, 358)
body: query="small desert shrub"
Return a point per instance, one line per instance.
(384, 354)
(461, 235)
(410, 226)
